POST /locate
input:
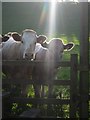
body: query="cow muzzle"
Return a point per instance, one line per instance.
(29, 56)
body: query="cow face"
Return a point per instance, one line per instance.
(57, 47)
(29, 39)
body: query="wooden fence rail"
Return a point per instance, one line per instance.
(73, 101)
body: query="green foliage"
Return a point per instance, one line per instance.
(30, 91)
(63, 73)
(61, 92)
(14, 108)
(65, 111)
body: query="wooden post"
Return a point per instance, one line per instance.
(73, 85)
(0, 63)
(84, 61)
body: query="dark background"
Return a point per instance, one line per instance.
(17, 16)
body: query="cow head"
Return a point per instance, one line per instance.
(28, 39)
(57, 47)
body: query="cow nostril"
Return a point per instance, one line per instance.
(26, 55)
(30, 56)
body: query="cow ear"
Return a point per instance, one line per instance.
(16, 36)
(41, 38)
(5, 38)
(69, 46)
(19, 38)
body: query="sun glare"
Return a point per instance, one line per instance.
(52, 17)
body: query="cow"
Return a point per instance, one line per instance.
(50, 56)
(15, 36)
(24, 49)
(18, 50)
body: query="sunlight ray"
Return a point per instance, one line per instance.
(43, 15)
(52, 17)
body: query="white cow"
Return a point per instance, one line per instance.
(51, 56)
(20, 49)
